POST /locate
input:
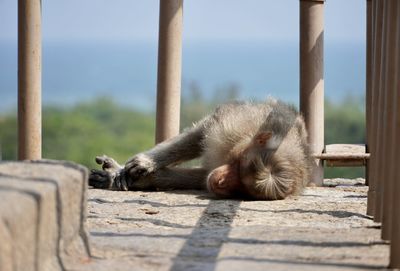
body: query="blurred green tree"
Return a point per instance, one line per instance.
(101, 126)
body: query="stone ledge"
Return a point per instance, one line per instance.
(43, 213)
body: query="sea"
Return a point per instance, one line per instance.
(76, 72)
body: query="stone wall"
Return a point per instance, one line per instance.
(42, 215)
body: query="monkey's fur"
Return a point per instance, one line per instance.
(249, 150)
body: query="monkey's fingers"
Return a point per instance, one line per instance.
(108, 163)
(100, 159)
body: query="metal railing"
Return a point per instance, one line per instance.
(383, 119)
(29, 80)
(312, 77)
(382, 94)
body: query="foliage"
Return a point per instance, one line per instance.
(8, 136)
(81, 132)
(195, 106)
(88, 129)
(345, 123)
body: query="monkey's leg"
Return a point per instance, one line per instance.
(162, 179)
(172, 178)
(184, 147)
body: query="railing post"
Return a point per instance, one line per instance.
(380, 104)
(368, 93)
(395, 211)
(312, 77)
(169, 69)
(393, 160)
(29, 80)
(380, 152)
(377, 12)
(387, 165)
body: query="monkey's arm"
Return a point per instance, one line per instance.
(184, 147)
(172, 178)
(163, 179)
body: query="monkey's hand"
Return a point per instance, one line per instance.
(140, 166)
(111, 177)
(108, 164)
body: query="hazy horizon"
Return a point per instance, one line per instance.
(93, 48)
(128, 72)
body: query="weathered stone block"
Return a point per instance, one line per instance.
(18, 231)
(59, 190)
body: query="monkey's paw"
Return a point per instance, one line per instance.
(107, 163)
(111, 177)
(139, 166)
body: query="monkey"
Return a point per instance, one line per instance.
(248, 150)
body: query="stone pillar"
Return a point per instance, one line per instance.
(29, 80)
(312, 77)
(169, 69)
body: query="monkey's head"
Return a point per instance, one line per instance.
(256, 172)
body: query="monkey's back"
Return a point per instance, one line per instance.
(232, 126)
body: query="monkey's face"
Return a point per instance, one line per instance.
(224, 181)
(245, 175)
(243, 178)
(256, 172)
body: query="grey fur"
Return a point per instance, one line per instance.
(281, 168)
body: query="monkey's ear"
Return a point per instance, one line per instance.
(262, 139)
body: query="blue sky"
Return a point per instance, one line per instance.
(204, 20)
(251, 43)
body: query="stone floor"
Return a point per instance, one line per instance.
(324, 229)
